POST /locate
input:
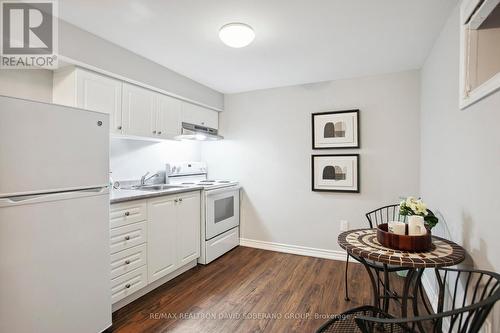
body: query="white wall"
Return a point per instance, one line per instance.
(268, 149)
(460, 153)
(35, 84)
(460, 157)
(130, 159)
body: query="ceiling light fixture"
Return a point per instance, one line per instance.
(236, 34)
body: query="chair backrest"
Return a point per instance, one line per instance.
(465, 299)
(384, 215)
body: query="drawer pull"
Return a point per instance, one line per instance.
(127, 285)
(127, 237)
(127, 213)
(127, 262)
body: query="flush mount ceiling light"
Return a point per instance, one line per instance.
(236, 34)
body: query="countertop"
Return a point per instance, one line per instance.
(120, 195)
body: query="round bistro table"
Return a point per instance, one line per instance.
(364, 246)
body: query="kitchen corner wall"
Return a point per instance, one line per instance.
(268, 149)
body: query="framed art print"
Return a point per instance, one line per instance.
(335, 129)
(335, 173)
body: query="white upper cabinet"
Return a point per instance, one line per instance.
(168, 117)
(133, 110)
(150, 114)
(139, 111)
(198, 115)
(87, 90)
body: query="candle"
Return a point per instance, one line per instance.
(397, 227)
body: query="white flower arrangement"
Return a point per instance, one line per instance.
(414, 206)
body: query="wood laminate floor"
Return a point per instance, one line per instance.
(249, 290)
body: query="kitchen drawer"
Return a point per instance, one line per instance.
(128, 283)
(125, 237)
(127, 260)
(124, 213)
(221, 244)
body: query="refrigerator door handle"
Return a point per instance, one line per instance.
(37, 198)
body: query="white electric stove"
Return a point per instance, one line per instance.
(220, 208)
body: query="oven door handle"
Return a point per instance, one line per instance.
(222, 190)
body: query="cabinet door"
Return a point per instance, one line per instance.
(162, 237)
(168, 121)
(138, 111)
(100, 93)
(189, 219)
(198, 115)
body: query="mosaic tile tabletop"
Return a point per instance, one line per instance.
(363, 243)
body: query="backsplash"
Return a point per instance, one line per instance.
(130, 159)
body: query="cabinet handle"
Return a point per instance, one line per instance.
(127, 262)
(127, 237)
(127, 285)
(119, 127)
(127, 213)
(154, 132)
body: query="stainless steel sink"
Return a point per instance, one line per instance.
(162, 187)
(157, 187)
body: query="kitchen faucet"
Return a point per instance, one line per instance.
(144, 179)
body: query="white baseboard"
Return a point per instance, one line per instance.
(294, 249)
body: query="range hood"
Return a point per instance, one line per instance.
(198, 132)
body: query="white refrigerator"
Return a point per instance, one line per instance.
(54, 212)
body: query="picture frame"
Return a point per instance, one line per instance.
(335, 173)
(335, 129)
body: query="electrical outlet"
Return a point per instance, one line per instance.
(344, 225)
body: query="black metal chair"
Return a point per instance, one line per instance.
(465, 298)
(375, 217)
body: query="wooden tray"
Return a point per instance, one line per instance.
(403, 242)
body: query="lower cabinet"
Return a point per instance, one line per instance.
(173, 233)
(188, 229)
(151, 238)
(162, 234)
(128, 283)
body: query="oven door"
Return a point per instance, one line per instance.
(222, 210)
